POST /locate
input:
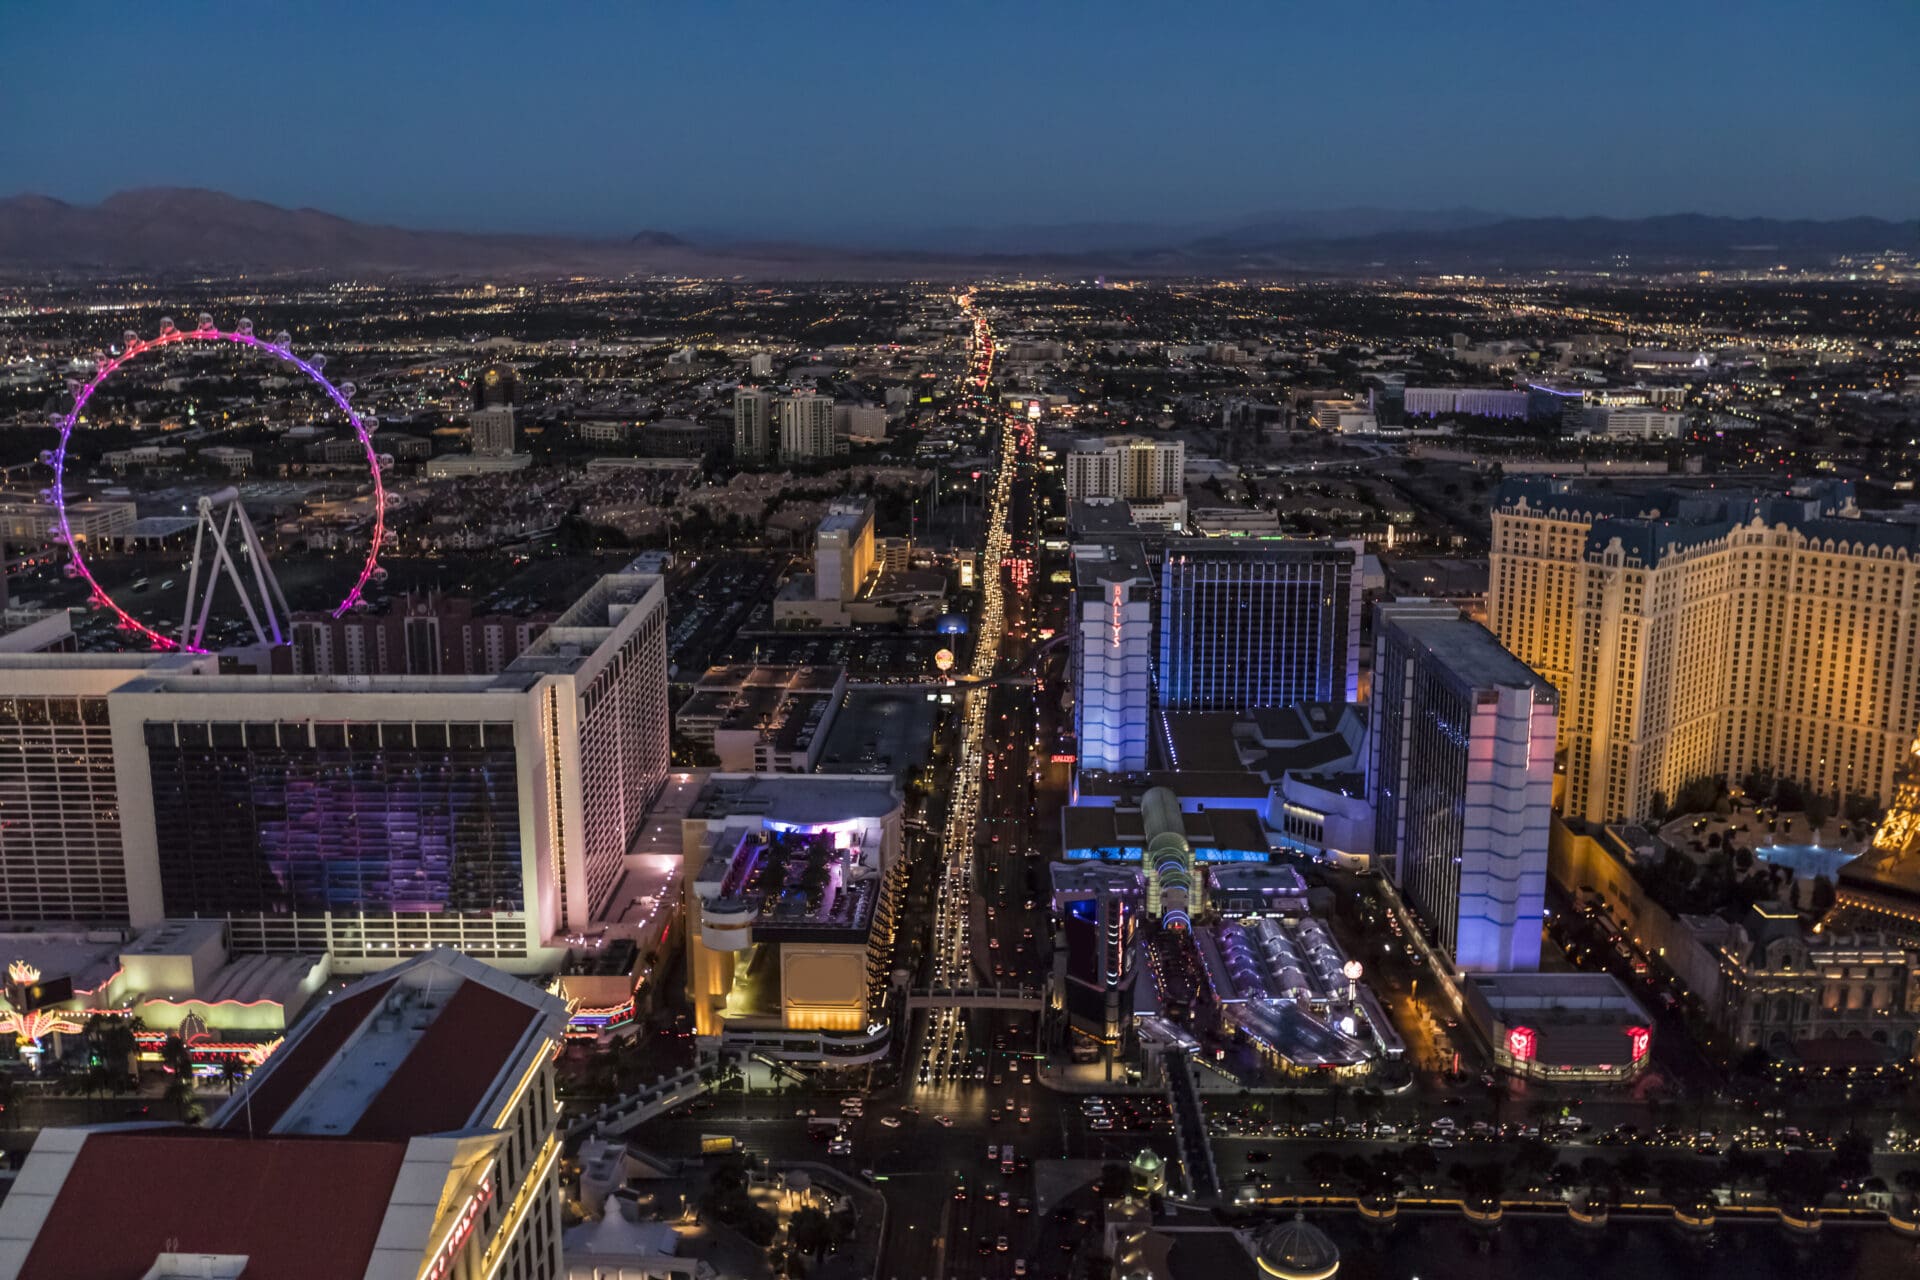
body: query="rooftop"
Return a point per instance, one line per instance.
(1465, 648)
(846, 517)
(1652, 524)
(413, 1051)
(1119, 831)
(804, 880)
(1218, 784)
(1098, 563)
(587, 623)
(796, 799)
(114, 1200)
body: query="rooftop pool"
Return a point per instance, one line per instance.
(1806, 859)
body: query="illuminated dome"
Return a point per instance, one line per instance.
(1296, 1250)
(1150, 1171)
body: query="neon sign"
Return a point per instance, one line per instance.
(1641, 1038)
(587, 1023)
(463, 1226)
(1523, 1043)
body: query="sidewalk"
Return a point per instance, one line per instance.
(1091, 1077)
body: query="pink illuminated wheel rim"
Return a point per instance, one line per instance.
(242, 336)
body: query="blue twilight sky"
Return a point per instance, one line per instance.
(841, 119)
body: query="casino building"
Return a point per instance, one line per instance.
(364, 817)
(408, 1131)
(790, 886)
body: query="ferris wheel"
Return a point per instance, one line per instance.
(224, 535)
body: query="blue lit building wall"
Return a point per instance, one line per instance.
(1113, 674)
(1463, 777)
(1258, 624)
(1132, 853)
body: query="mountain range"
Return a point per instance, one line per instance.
(179, 229)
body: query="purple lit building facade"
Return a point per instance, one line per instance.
(371, 817)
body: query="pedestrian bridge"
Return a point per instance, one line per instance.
(1190, 1128)
(981, 997)
(632, 1110)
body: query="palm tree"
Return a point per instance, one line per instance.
(117, 1046)
(811, 1232)
(232, 1072)
(94, 1081)
(180, 1097)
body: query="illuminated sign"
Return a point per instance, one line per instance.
(1641, 1038)
(591, 1022)
(1522, 1043)
(463, 1224)
(944, 659)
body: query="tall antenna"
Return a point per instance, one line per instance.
(272, 603)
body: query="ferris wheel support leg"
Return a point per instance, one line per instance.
(239, 585)
(197, 637)
(193, 583)
(269, 585)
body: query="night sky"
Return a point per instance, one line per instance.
(866, 121)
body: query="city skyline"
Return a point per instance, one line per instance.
(987, 642)
(880, 127)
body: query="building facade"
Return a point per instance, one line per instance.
(1133, 468)
(791, 887)
(1712, 635)
(1634, 423)
(427, 635)
(1462, 779)
(1848, 1000)
(1258, 622)
(752, 424)
(364, 817)
(62, 856)
(1096, 912)
(1112, 657)
(806, 427)
(1481, 402)
(493, 431)
(843, 550)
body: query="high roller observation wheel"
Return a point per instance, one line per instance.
(242, 335)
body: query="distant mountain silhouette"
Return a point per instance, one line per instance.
(169, 228)
(1341, 224)
(172, 228)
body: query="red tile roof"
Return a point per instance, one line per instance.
(293, 1068)
(298, 1208)
(446, 1075)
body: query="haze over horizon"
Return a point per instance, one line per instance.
(858, 123)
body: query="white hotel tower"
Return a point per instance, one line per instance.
(1112, 656)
